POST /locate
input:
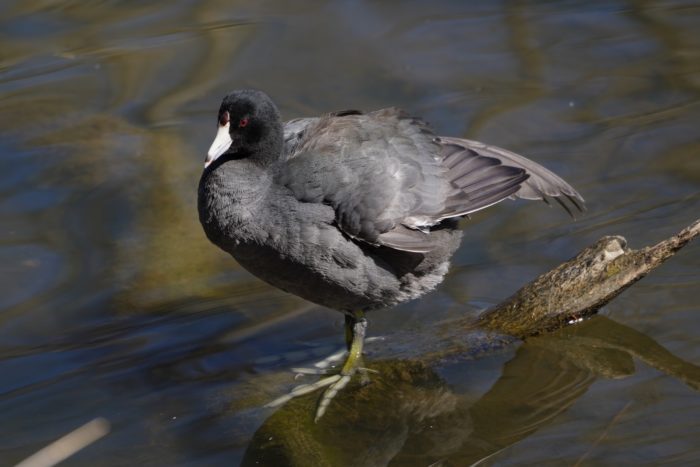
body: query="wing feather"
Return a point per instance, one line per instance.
(390, 179)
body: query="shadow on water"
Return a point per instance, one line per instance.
(113, 304)
(409, 415)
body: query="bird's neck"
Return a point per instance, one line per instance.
(229, 196)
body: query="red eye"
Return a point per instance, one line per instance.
(243, 123)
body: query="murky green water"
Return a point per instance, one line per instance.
(113, 303)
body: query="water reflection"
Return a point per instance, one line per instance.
(112, 302)
(410, 416)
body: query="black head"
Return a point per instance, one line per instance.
(249, 126)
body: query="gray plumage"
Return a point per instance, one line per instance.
(353, 210)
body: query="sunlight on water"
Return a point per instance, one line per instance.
(113, 304)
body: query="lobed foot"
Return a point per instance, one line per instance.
(351, 366)
(355, 333)
(327, 365)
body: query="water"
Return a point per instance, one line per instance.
(113, 303)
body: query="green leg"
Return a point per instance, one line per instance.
(349, 323)
(356, 327)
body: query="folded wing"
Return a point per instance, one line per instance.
(391, 180)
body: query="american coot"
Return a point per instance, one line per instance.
(354, 211)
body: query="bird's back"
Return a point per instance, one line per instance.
(360, 211)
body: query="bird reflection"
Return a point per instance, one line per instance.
(410, 416)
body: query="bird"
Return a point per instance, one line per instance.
(355, 211)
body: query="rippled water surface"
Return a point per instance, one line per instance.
(113, 304)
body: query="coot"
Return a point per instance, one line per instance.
(351, 210)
